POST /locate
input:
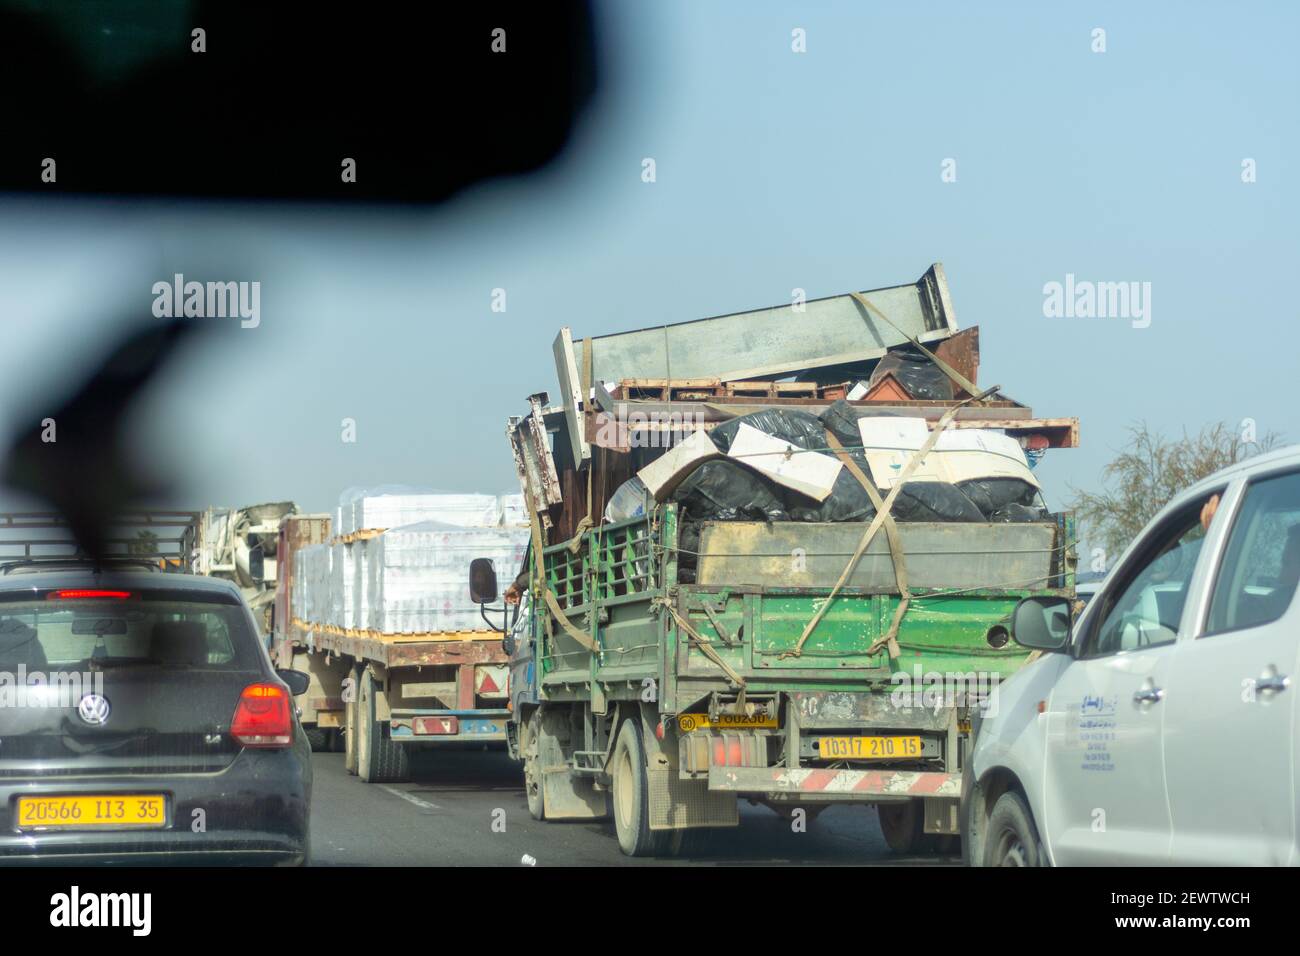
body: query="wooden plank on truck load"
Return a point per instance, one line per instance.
(831, 331)
(939, 555)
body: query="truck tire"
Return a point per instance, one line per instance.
(350, 718)
(1011, 839)
(531, 753)
(631, 794)
(903, 826)
(319, 738)
(379, 758)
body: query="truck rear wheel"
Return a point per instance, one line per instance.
(903, 826)
(380, 759)
(530, 750)
(632, 793)
(350, 718)
(319, 738)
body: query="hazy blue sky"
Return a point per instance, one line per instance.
(775, 170)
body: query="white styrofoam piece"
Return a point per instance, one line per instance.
(663, 474)
(959, 455)
(807, 472)
(887, 432)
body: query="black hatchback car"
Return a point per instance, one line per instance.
(141, 721)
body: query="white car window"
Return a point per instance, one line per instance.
(1261, 566)
(1145, 610)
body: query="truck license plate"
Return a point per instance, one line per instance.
(143, 811)
(868, 748)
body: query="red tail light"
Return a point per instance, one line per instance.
(262, 718)
(81, 594)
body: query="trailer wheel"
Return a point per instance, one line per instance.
(379, 758)
(319, 738)
(631, 796)
(903, 826)
(530, 750)
(1011, 838)
(350, 718)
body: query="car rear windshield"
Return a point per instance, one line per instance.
(155, 628)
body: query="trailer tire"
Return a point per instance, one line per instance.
(1010, 838)
(530, 751)
(380, 759)
(631, 793)
(903, 826)
(319, 738)
(350, 719)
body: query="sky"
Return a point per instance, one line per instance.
(775, 170)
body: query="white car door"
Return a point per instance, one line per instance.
(1230, 712)
(1104, 782)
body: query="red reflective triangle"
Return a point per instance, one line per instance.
(488, 683)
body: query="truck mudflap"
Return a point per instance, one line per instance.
(852, 784)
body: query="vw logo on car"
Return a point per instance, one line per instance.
(94, 709)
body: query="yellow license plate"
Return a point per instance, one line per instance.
(869, 748)
(141, 811)
(689, 722)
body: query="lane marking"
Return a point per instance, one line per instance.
(411, 798)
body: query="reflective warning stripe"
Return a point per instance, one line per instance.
(858, 783)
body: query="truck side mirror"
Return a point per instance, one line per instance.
(482, 581)
(298, 682)
(1042, 623)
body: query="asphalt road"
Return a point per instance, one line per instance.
(445, 816)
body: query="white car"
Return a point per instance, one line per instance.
(1162, 726)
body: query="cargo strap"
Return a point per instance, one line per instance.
(548, 596)
(883, 513)
(959, 379)
(890, 639)
(581, 636)
(705, 647)
(586, 521)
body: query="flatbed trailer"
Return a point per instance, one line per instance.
(390, 694)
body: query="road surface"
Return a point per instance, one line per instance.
(467, 808)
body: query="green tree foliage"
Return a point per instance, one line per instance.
(1149, 472)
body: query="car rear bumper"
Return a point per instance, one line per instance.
(255, 810)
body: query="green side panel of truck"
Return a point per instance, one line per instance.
(613, 586)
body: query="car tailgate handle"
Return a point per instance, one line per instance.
(1150, 694)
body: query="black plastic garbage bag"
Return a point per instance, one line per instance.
(994, 494)
(1016, 512)
(799, 428)
(848, 501)
(915, 372)
(934, 501)
(841, 420)
(722, 490)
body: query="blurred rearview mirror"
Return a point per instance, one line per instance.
(482, 581)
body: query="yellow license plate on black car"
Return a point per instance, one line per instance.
(869, 748)
(139, 811)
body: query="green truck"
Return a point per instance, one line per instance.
(686, 644)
